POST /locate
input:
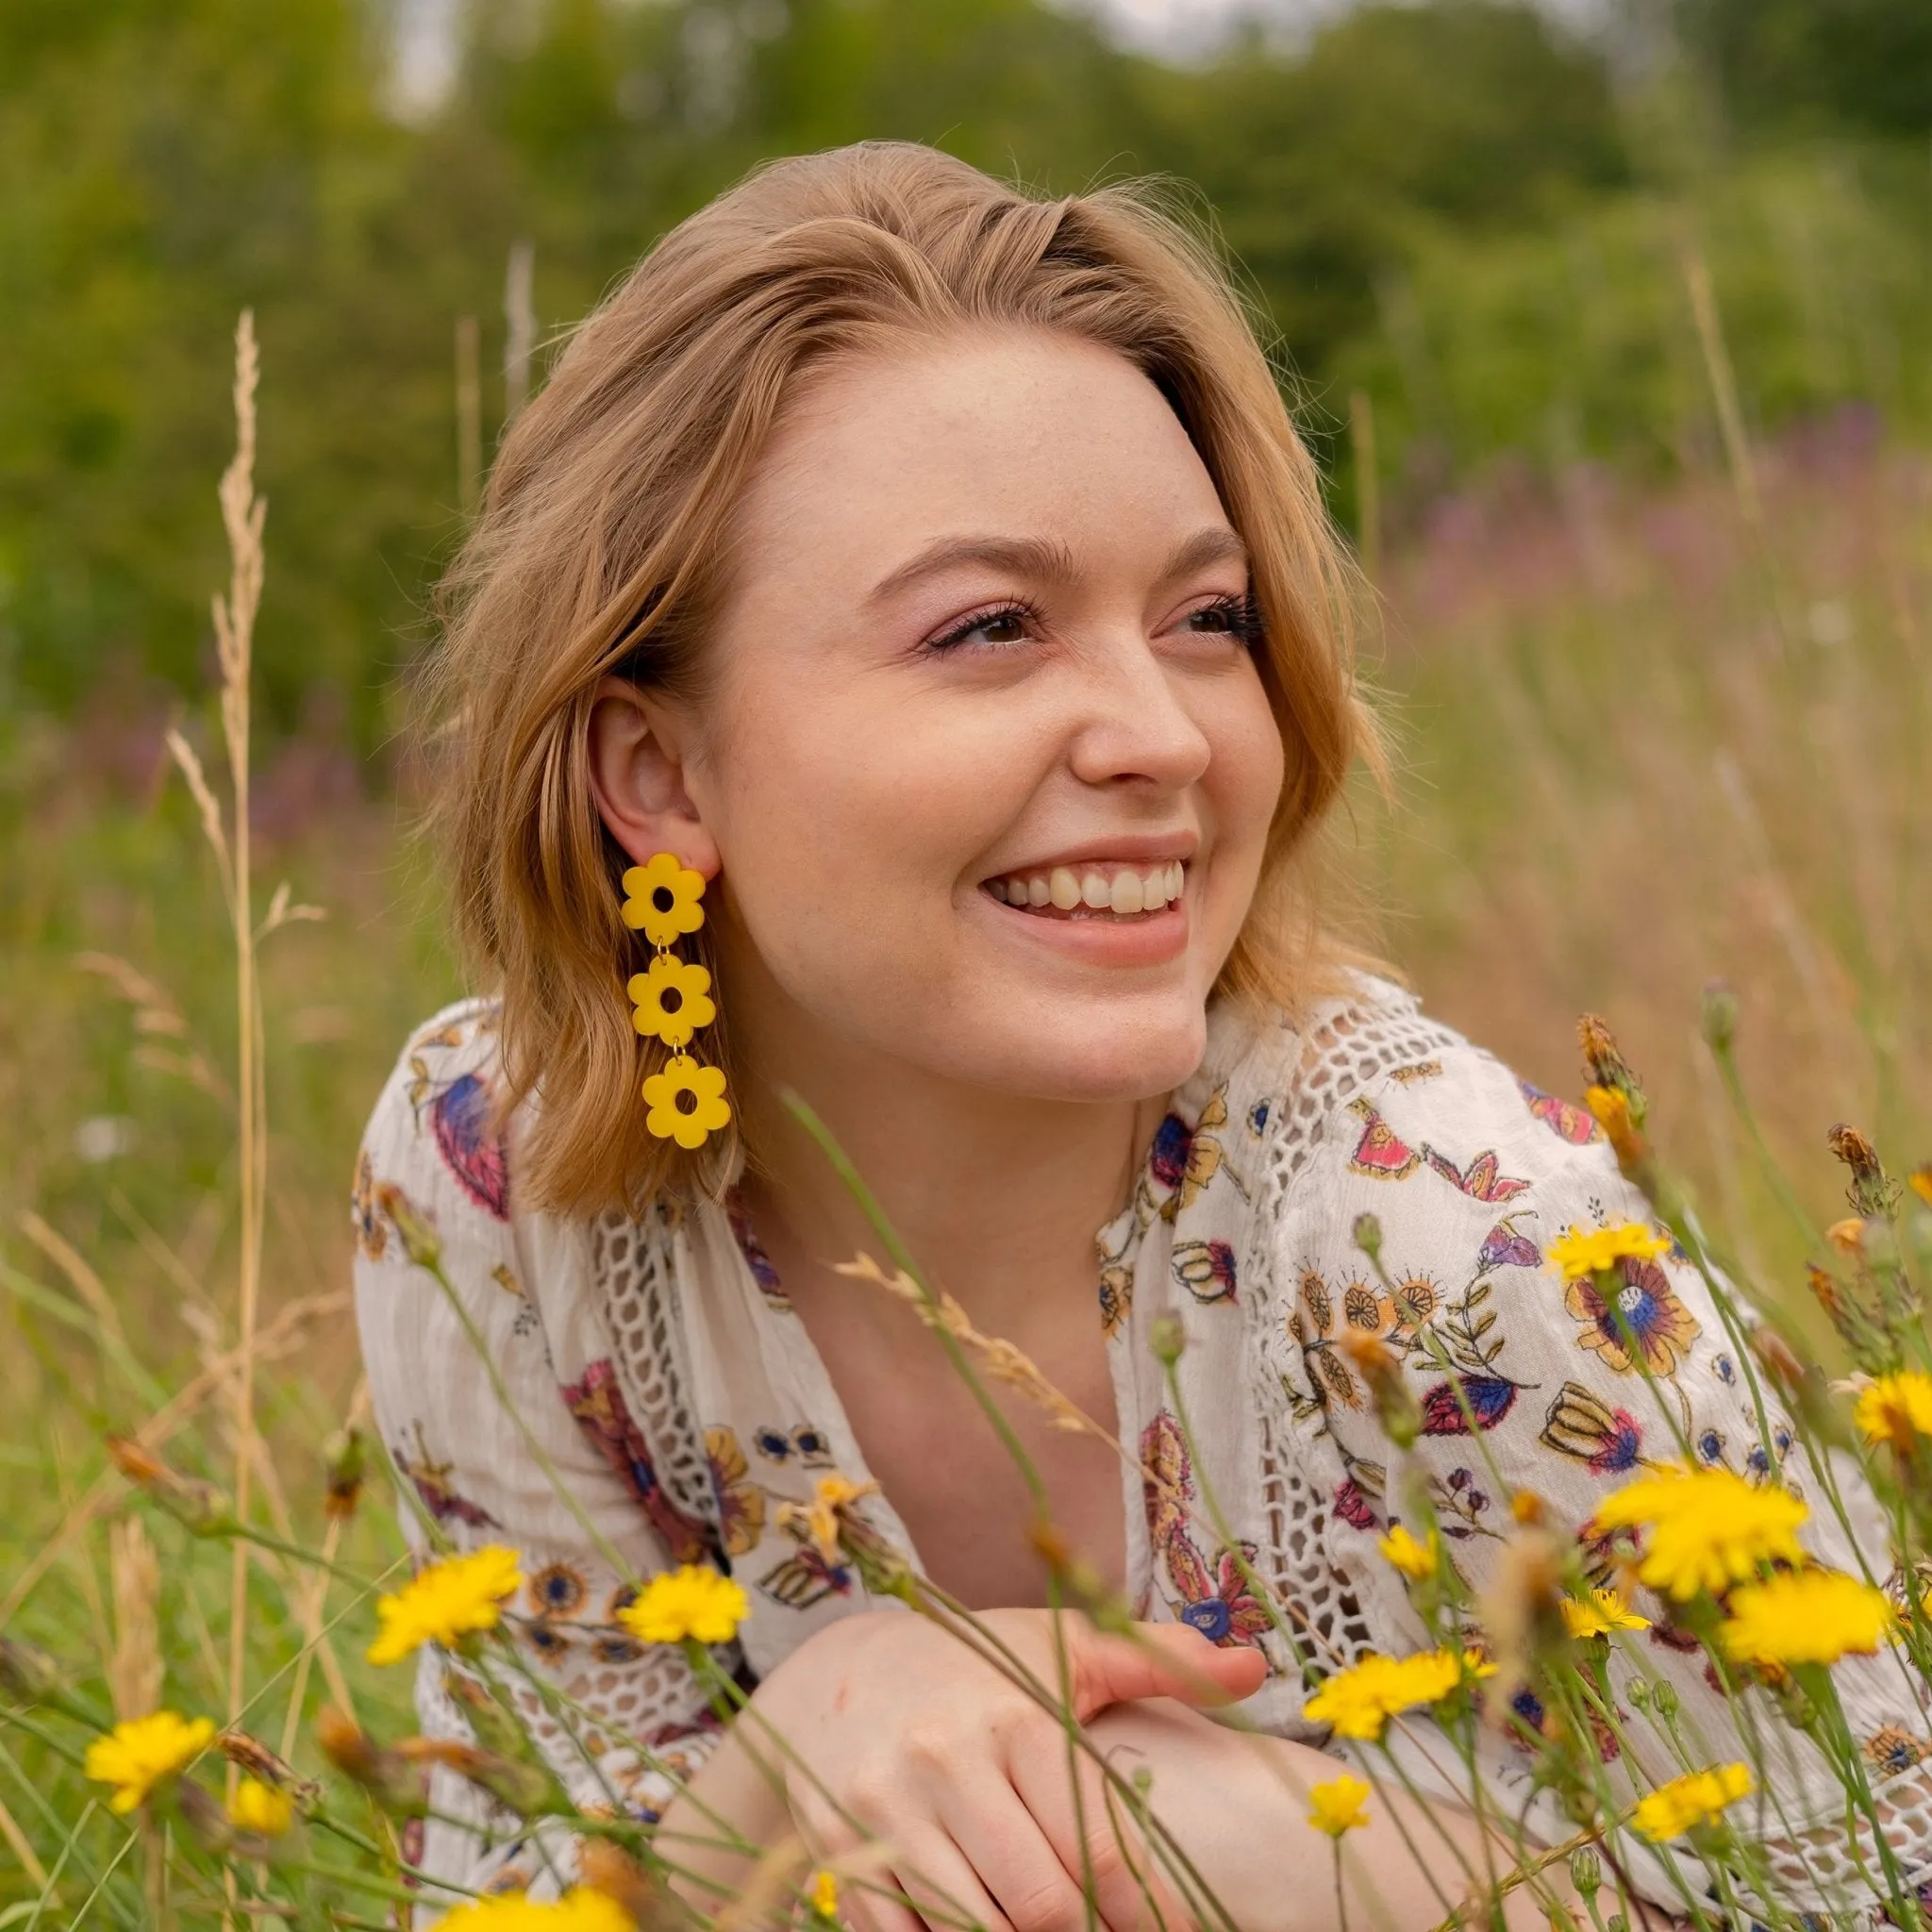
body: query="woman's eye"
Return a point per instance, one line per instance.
(996, 628)
(1226, 617)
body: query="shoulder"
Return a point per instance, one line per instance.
(1372, 1103)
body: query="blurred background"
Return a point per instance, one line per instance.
(1607, 321)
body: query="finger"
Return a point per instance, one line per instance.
(868, 1898)
(1014, 1855)
(940, 1884)
(1099, 1845)
(1158, 1661)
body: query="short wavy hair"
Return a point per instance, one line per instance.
(601, 547)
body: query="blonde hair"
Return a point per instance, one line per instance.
(601, 548)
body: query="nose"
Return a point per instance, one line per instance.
(1137, 730)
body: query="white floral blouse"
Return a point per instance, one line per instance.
(660, 1368)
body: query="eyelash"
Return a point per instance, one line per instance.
(1242, 613)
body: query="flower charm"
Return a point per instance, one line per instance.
(663, 902)
(672, 1000)
(687, 1102)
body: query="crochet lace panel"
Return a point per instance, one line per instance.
(632, 1267)
(1348, 1049)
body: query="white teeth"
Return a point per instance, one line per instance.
(1125, 894)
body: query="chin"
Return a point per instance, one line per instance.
(1116, 1054)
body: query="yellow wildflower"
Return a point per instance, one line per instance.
(261, 1809)
(143, 1751)
(1808, 1616)
(1696, 1798)
(446, 1601)
(1337, 1805)
(1360, 1701)
(819, 1518)
(1612, 1110)
(1581, 1253)
(1894, 1408)
(1920, 1181)
(822, 1893)
(1598, 1614)
(694, 1601)
(1414, 1559)
(1707, 1530)
(579, 1909)
(1847, 1235)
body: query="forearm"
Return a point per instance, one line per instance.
(1238, 1805)
(730, 1812)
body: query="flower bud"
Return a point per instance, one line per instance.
(28, 1673)
(1168, 1340)
(1396, 1408)
(346, 1458)
(1720, 1016)
(1871, 1193)
(1368, 1236)
(420, 1239)
(1586, 1872)
(1664, 1700)
(199, 1506)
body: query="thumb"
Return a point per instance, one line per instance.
(1158, 1661)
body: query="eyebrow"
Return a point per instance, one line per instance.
(1048, 560)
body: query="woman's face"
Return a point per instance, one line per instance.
(987, 758)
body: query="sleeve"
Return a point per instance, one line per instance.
(1527, 1385)
(474, 1389)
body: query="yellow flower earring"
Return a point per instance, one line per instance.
(673, 998)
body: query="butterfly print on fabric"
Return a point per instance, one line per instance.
(740, 1501)
(599, 1406)
(1184, 1159)
(365, 1214)
(1379, 1153)
(1575, 1125)
(1481, 1180)
(1167, 1477)
(807, 1444)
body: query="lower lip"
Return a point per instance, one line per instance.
(1152, 939)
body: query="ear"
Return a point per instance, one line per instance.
(636, 776)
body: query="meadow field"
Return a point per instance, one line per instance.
(1652, 563)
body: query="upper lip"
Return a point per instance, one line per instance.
(1128, 847)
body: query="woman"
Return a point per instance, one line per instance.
(934, 573)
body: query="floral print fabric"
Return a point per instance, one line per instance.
(1240, 1228)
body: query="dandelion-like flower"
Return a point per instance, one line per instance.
(579, 1909)
(1582, 1252)
(143, 1751)
(662, 899)
(1414, 1559)
(1808, 1616)
(1611, 1111)
(1359, 1702)
(1598, 1614)
(1894, 1408)
(263, 1809)
(1708, 1530)
(446, 1603)
(1694, 1799)
(693, 1601)
(1339, 1806)
(823, 1893)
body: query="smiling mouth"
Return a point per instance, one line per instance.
(1099, 890)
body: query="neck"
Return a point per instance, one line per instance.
(991, 1192)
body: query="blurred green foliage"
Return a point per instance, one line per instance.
(1476, 218)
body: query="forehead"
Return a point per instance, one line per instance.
(1010, 431)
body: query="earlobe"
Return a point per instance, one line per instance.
(636, 778)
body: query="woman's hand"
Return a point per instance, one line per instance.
(898, 1733)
